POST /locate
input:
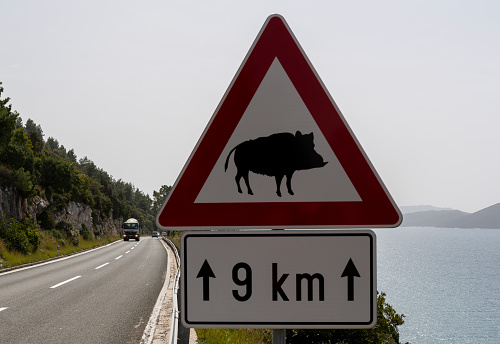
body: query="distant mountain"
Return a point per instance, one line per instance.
(432, 218)
(408, 209)
(485, 218)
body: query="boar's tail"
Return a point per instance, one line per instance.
(227, 159)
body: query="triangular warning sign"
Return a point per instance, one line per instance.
(277, 153)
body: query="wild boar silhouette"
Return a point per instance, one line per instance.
(277, 155)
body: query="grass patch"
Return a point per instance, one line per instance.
(176, 239)
(234, 336)
(48, 249)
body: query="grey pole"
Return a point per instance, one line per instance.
(279, 335)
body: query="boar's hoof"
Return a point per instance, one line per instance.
(278, 193)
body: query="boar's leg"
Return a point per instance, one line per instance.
(278, 178)
(243, 174)
(247, 183)
(237, 178)
(289, 183)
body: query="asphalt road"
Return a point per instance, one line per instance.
(102, 296)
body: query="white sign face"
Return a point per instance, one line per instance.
(279, 279)
(276, 107)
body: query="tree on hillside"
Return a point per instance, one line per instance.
(16, 150)
(19, 152)
(32, 126)
(52, 143)
(72, 156)
(49, 170)
(159, 198)
(8, 120)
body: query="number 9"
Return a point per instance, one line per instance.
(247, 281)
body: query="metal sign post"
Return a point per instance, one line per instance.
(279, 336)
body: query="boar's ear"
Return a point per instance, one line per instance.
(298, 134)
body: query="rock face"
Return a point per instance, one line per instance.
(14, 206)
(76, 213)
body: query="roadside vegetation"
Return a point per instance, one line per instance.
(35, 167)
(234, 336)
(386, 331)
(49, 247)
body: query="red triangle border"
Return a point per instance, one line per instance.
(377, 208)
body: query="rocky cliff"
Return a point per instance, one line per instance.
(14, 206)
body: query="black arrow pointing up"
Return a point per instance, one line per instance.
(350, 271)
(206, 272)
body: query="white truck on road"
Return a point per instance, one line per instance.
(131, 230)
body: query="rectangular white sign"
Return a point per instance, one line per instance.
(279, 279)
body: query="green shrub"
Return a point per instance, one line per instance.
(23, 182)
(85, 233)
(384, 332)
(64, 226)
(69, 229)
(56, 234)
(75, 238)
(19, 236)
(60, 201)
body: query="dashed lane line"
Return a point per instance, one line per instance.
(76, 277)
(60, 284)
(100, 266)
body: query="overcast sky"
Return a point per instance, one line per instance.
(132, 84)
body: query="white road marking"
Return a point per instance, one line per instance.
(127, 251)
(132, 248)
(3, 308)
(100, 266)
(119, 257)
(147, 336)
(60, 284)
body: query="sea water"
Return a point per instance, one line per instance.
(445, 281)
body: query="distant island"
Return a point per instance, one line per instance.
(430, 216)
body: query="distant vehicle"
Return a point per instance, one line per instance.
(154, 235)
(131, 230)
(164, 234)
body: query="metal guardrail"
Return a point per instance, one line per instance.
(174, 323)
